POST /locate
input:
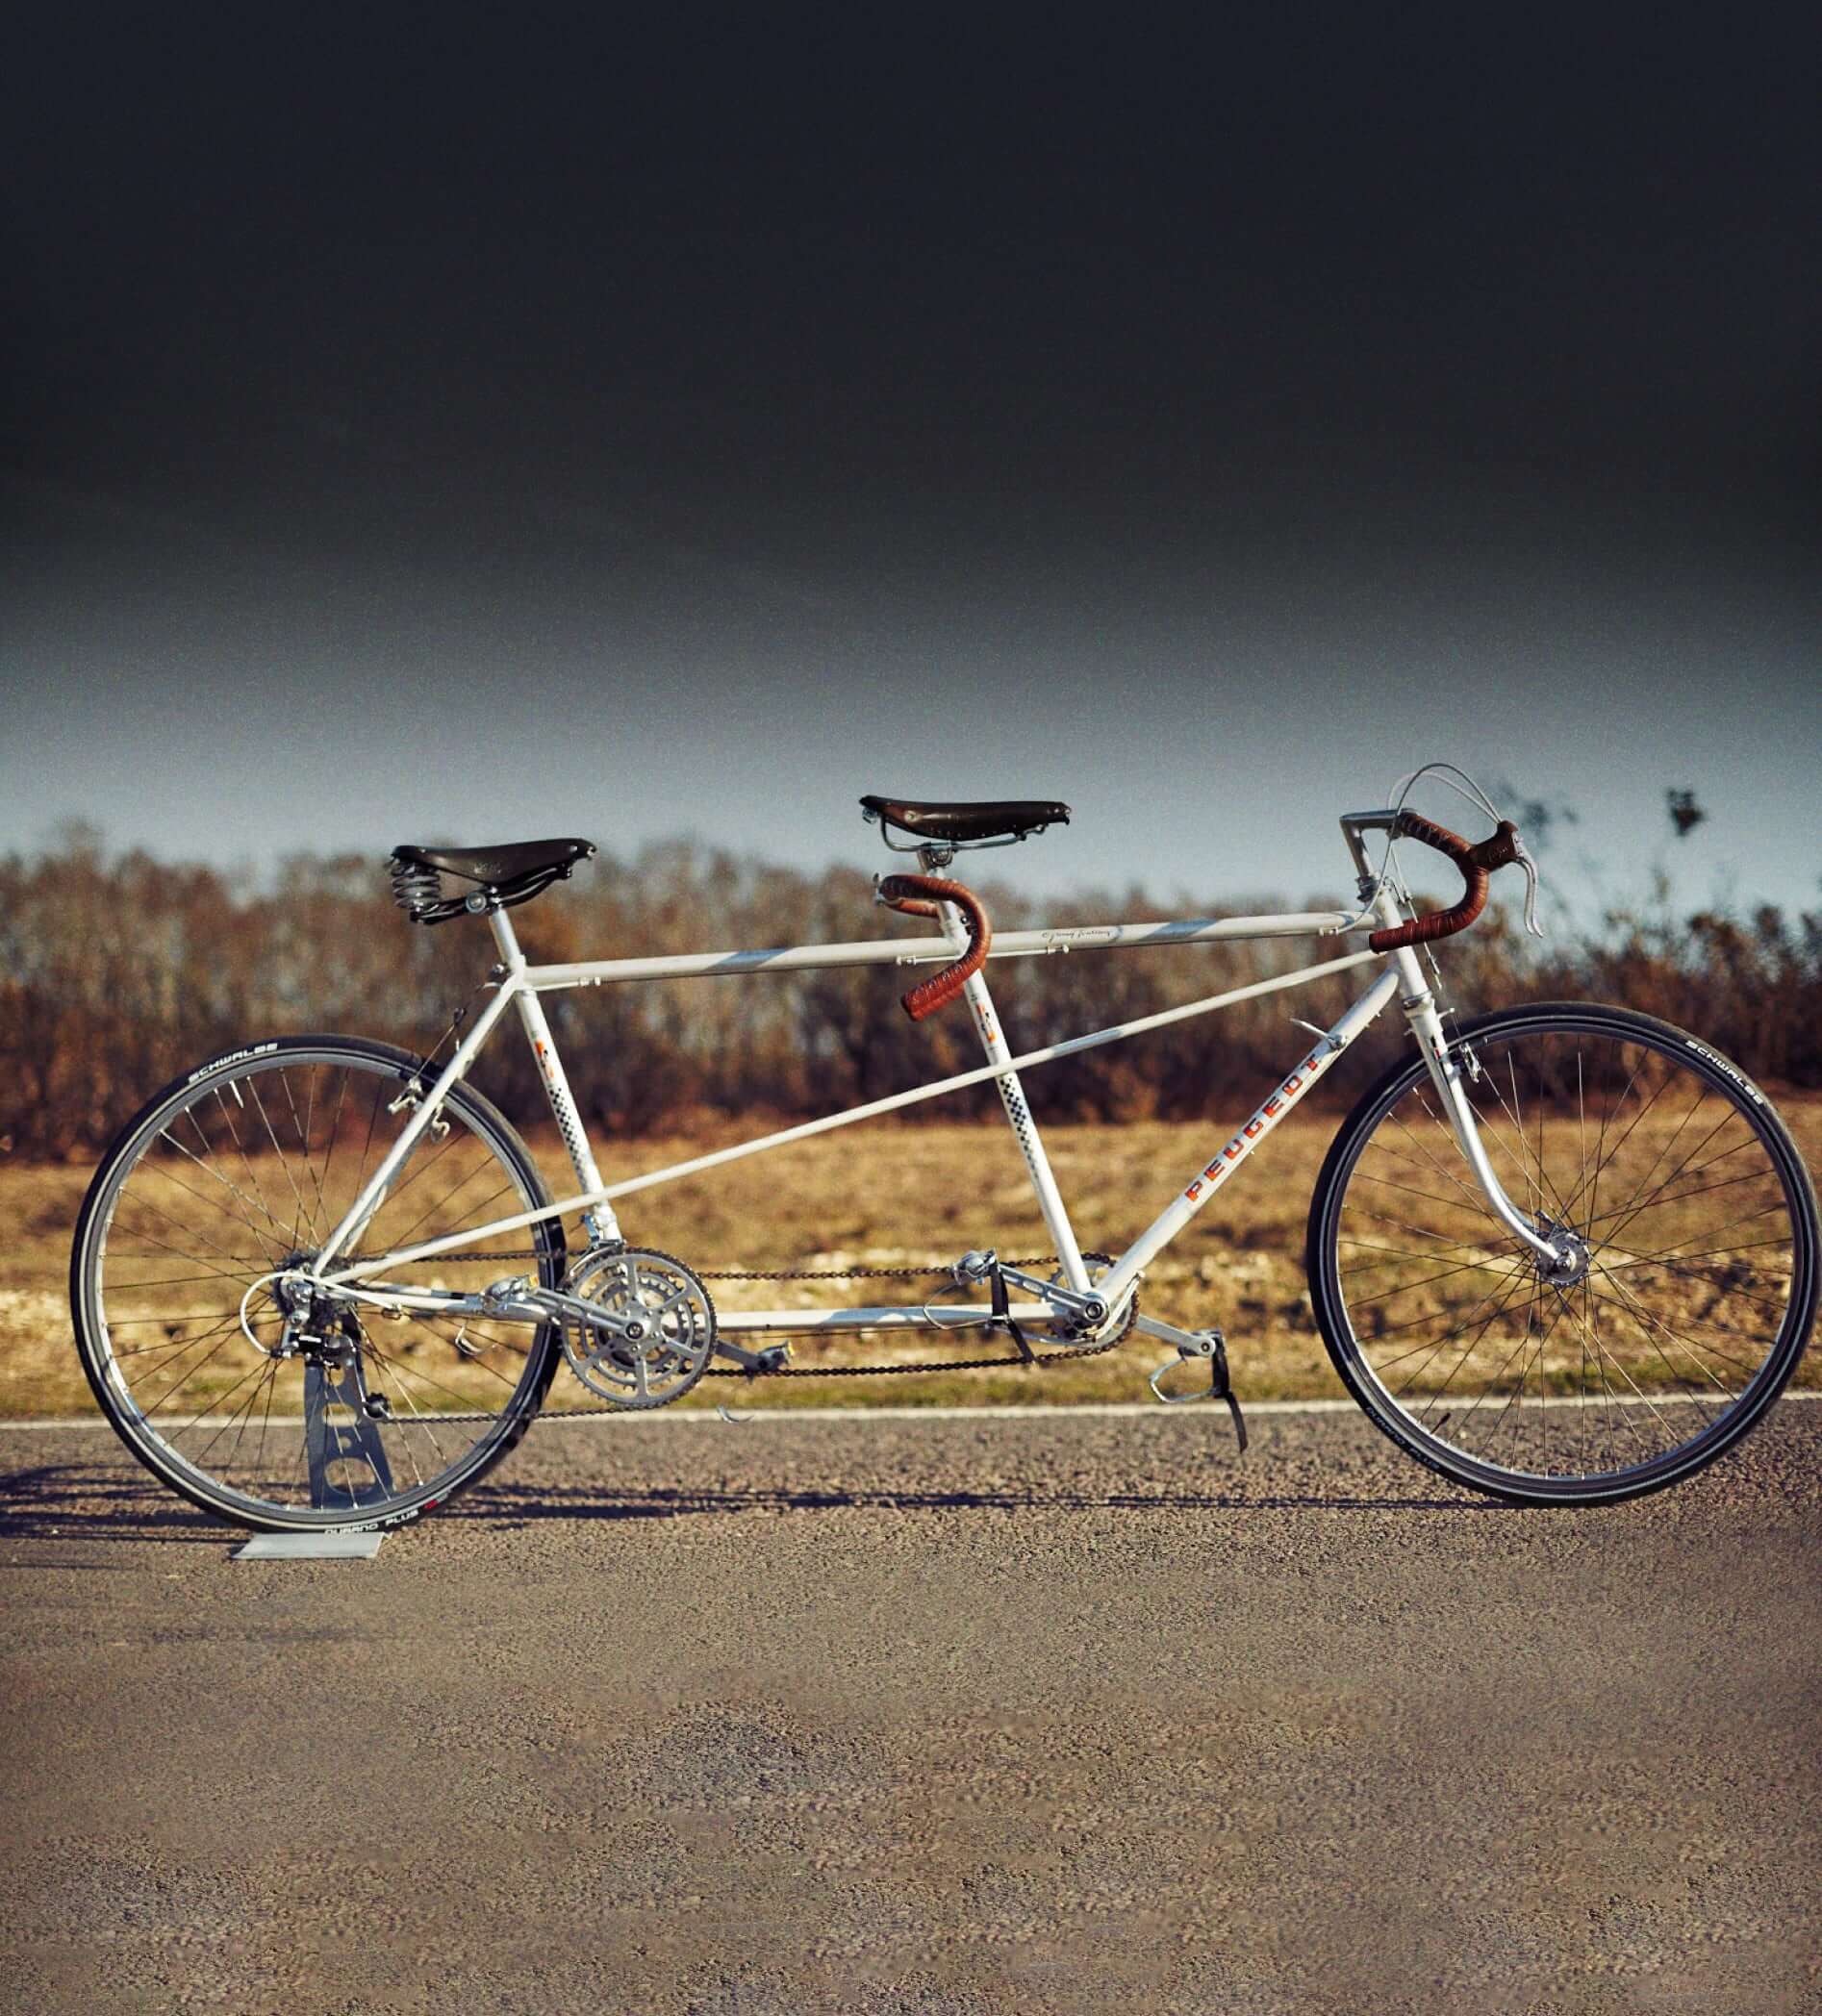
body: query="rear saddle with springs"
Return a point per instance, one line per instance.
(504, 876)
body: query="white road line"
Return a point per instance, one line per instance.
(677, 1417)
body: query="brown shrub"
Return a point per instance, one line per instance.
(121, 972)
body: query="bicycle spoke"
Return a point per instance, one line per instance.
(1644, 1203)
(302, 1125)
(256, 1261)
(215, 1176)
(1448, 1175)
(1686, 1273)
(335, 1137)
(1693, 1323)
(234, 1135)
(1447, 1273)
(1632, 1127)
(1685, 1195)
(1411, 1190)
(1404, 1225)
(1656, 1327)
(1467, 1351)
(253, 1087)
(1640, 1189)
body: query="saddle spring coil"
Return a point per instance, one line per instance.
(415, 890)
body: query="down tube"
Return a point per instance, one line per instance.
(1204, 1185)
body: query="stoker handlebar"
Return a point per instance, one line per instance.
(1476, 862)
(922, 895)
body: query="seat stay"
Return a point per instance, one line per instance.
(428, 1105)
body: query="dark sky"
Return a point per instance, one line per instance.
(445, 424)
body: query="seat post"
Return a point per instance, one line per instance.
(506, 938)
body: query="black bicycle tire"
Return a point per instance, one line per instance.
(1673, 1466)
(545, 1349)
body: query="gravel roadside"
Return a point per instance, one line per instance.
(1001, 1713)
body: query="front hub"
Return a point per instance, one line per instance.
(1573, 1257)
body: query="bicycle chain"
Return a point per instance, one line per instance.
(825, 1371)
(801, 1274)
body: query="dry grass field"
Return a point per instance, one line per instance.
(881, 1195)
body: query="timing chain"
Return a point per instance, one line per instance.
(826, 1372)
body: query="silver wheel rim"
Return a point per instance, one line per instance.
(1656, 1349)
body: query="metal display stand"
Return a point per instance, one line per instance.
(348, 1468)
(331, 1546)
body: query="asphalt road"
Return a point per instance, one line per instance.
(983, 1715)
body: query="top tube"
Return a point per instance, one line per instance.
(913, 951)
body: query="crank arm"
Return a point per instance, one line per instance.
(505, 1302)
(1185, 1341)
(770, 1359)
(1076, 1311)
(1091, 1308)
(546, 1304)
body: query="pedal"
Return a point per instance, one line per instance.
(1209, 1347)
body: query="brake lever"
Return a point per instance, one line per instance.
(1522, 855)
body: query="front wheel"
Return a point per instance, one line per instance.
(1679, 1316)
(225, 1187)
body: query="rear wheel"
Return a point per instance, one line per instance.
(237, 1174)
(1680, 1315)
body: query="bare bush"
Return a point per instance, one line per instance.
(119, 973)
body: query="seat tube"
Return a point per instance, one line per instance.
(1037, 1163)
(598, 1220)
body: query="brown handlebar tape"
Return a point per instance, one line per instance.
(1475, 863)
(921, 895)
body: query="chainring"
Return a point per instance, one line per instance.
(676, 1316)
(1099, 1266)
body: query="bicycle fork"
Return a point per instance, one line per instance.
(1419, 1004)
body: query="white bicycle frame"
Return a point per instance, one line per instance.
(520, 986)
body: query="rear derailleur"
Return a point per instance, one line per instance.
(324, 1333)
